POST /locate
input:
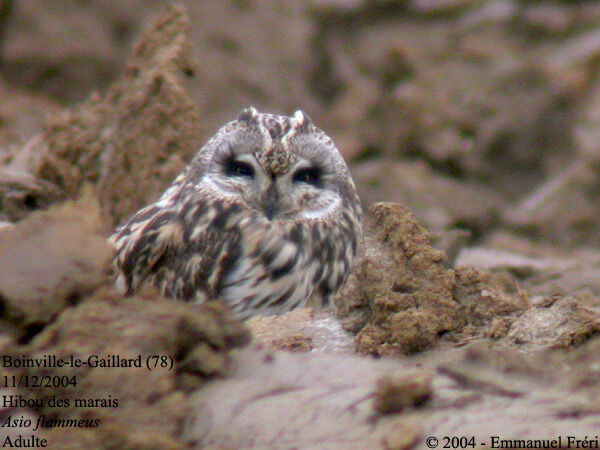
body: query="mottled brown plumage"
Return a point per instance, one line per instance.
(265, 216)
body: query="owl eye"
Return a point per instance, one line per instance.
(310, 175)
(235, 168)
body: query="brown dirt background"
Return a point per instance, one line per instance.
(472, 130)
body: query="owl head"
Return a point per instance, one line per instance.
(283, 168)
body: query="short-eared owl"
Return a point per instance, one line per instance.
(264, 216)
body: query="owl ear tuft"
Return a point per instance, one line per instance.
(248, 115)
(302, 120)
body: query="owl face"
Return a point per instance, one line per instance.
(282, 168)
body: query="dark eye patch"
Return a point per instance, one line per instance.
(310, 175)
(235, 168)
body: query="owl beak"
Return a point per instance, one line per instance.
(270, 204)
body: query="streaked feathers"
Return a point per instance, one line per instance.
(207, 237)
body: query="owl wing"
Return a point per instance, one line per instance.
(184, 250)
(141, 244)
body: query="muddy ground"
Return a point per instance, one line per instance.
(472, 131)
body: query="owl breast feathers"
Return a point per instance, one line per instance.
(265, 216)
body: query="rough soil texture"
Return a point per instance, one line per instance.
(403, 297)
(57, 300)
(478, 287)
(105, 141)
(271, 398)
(21, 115)
(32, 295)
(152, 404)
(302, 330)
(22, 193)
(276, 399)
(457, 99)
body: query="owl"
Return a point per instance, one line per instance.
(265, 216)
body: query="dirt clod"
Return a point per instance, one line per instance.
(131, 142)
(406, 296)
(144, 406)
(564, 323)
(21, 193)
(397, 392)
(402, 436)
(42, 268)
